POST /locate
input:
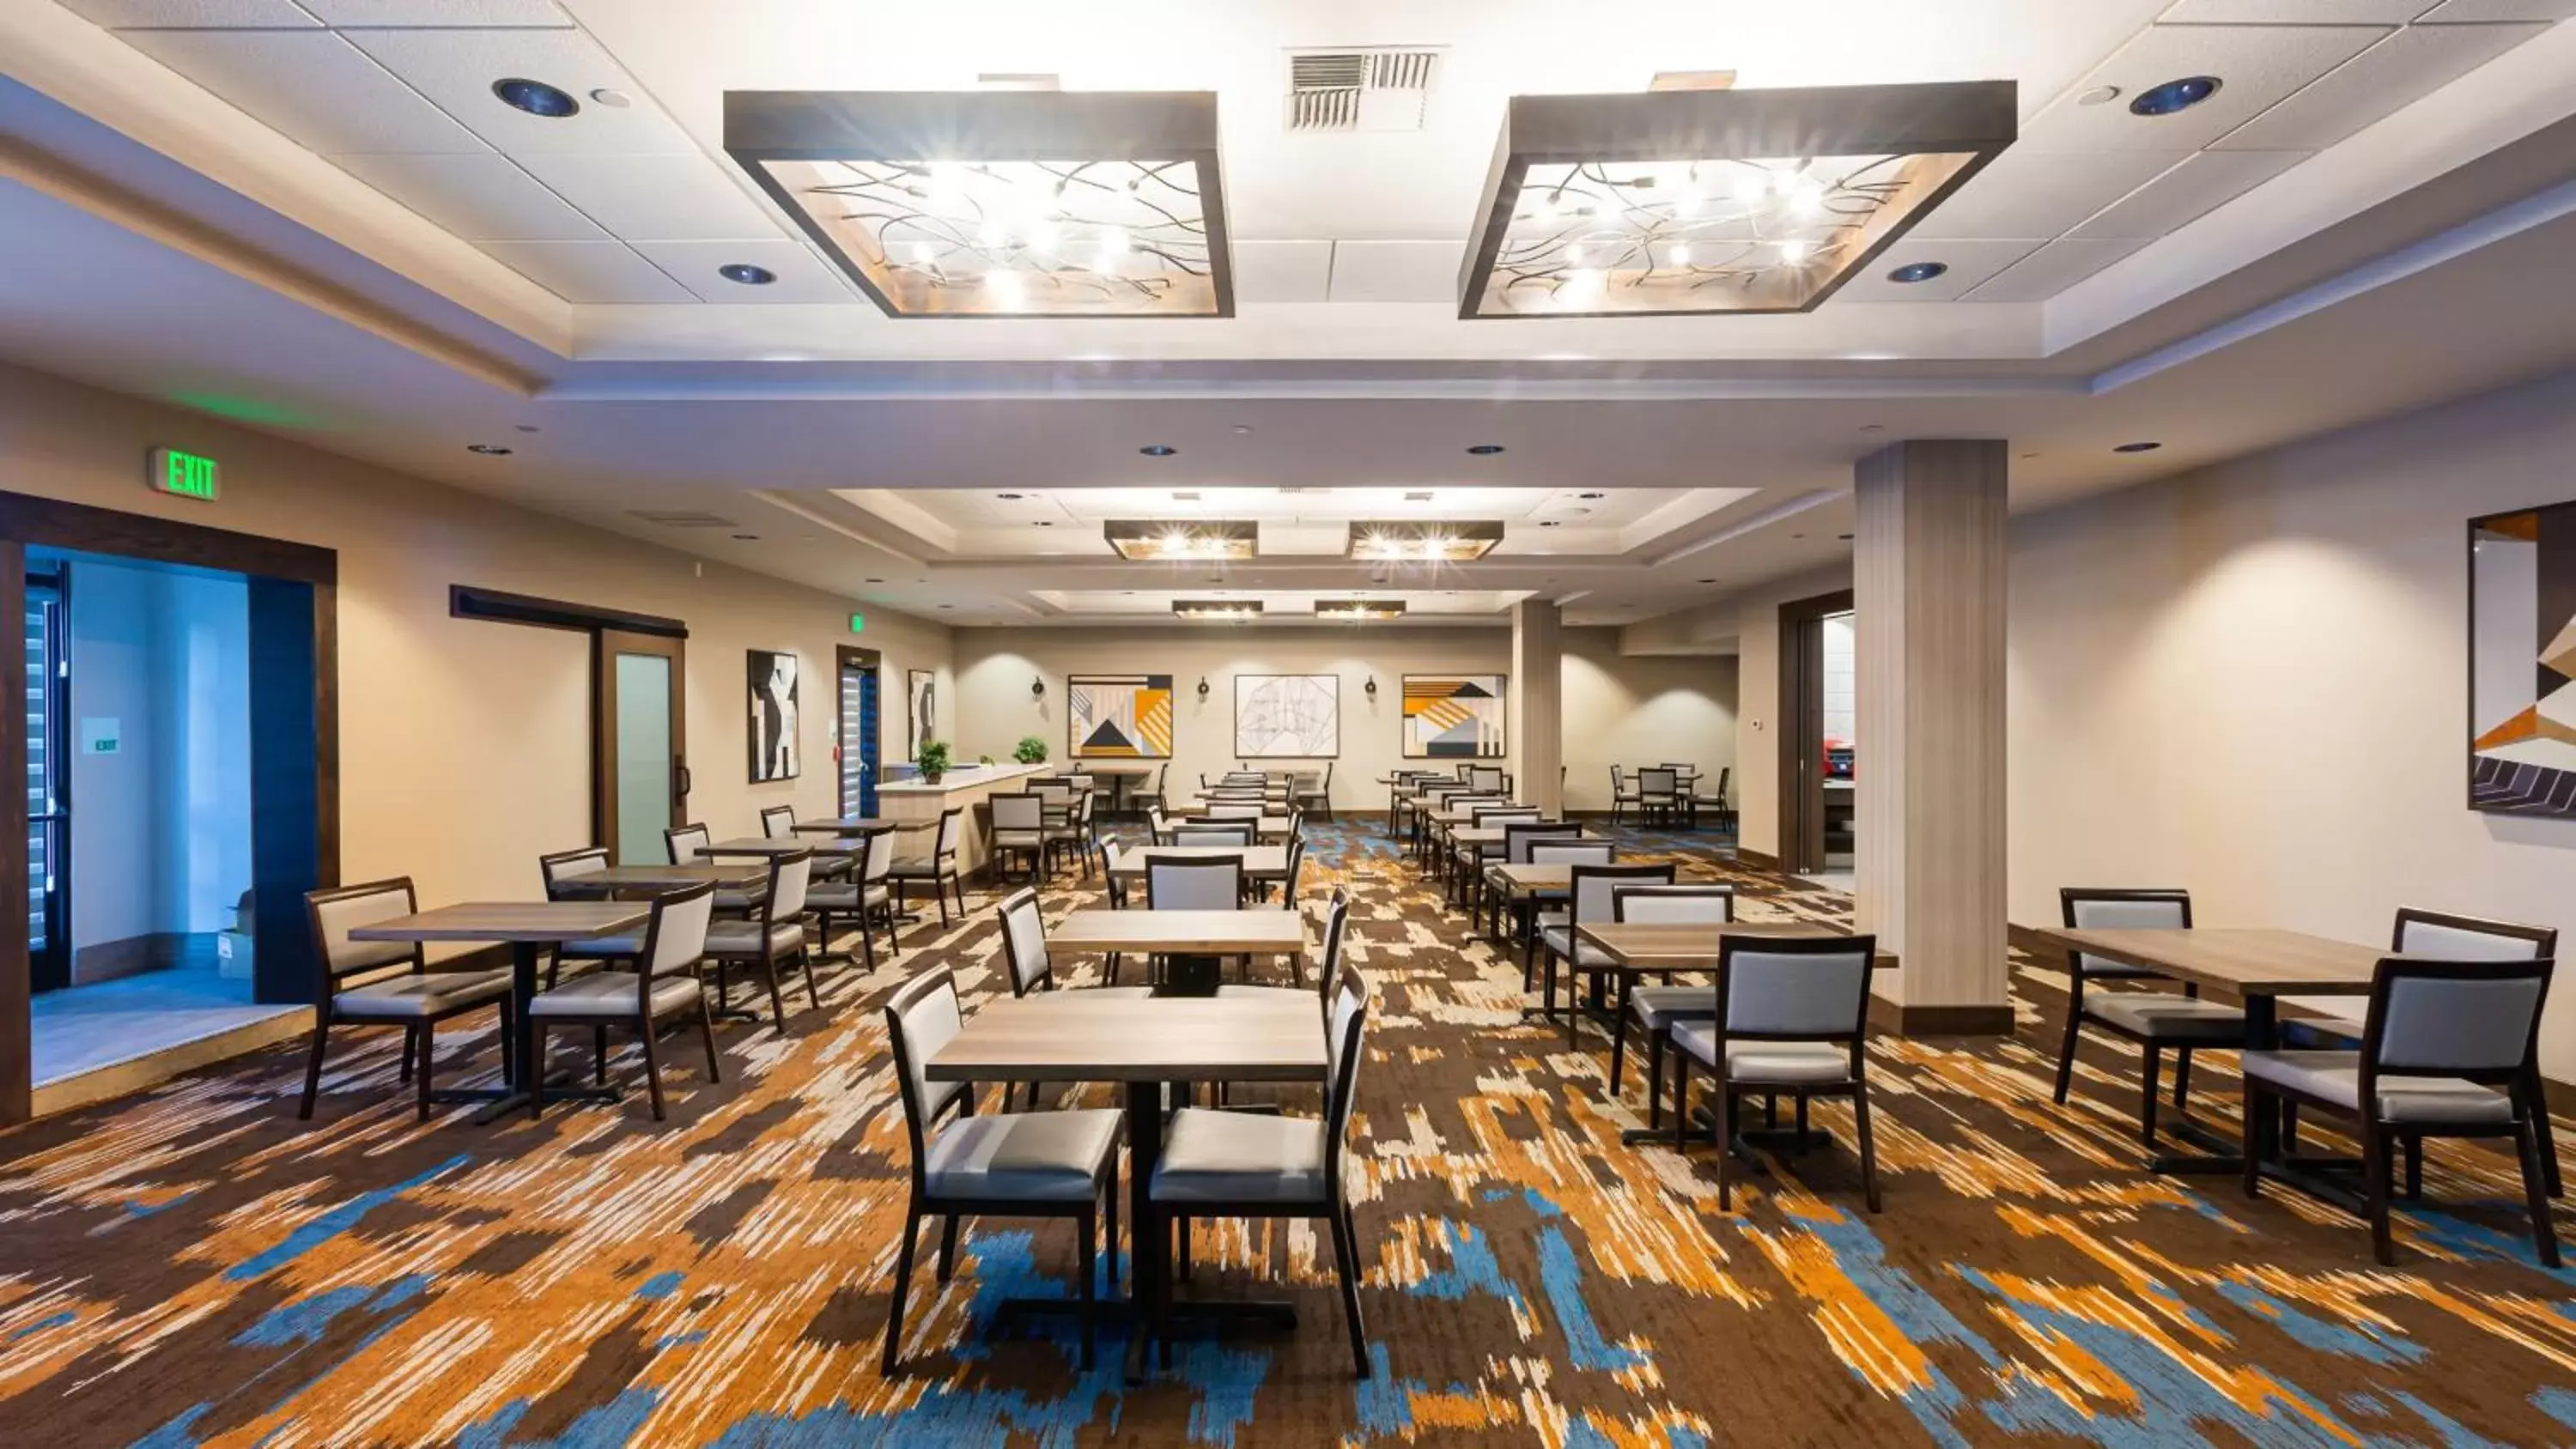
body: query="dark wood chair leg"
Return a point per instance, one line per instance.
(2414, 1169)
(2257, 1117)
(536, 1069)
(1722, 1104)
(1346, 1258)
(902, 1283)
(1181, 1236)
(1619, 1038)
(2182, 1079)
(2536, 1102)
(707, 1033)
(1654, 1080)
(805, 962)
(2074, 1029)
(420, 1079)
(313, 1070)
(948, 1248)
(2529, 1143)
(1860, 1130)
(1681, 1102)
(652, 1066)
(599, 1052)
(2375, 1181)
(1109, 1224)
(2150, 1062)
(777, 1006)
(410, 1052)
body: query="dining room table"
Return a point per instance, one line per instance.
(614, 881)
(1122, 776)
(1192, 941)
(861, 825)
(1260, 862)
(1268, 827)
(526, 927)
(765, 846)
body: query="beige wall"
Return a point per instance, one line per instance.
(465, 746)
(1757, 775)
(2250, 680)
(1629, 709)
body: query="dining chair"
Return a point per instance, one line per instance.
(1623, 796)
(1252, 809)
(864, 899)
(1656, 1008)
(1336, 922)
(773, 940)
(777, 822)
(1193, 883)
(564, 866)
(2449, 1049)
(1518, 836)
(559, 870)
(1024, 952)
(387, 983)
(2446, 937)
(1319, 793)
(1577, 851)
(1588, 900)
(1793, 1021)
(2155, 1022)
(1011, 1164)
(1157, 824)
(939, 869)
(686, 843)
(675, 941)
(1237, 833)
(1486, 777)
(1658, 795)
(1019, 828)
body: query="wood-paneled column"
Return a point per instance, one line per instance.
(1536, 714)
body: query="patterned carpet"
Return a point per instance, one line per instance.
(192, 1266)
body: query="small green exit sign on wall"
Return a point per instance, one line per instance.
(185, 474)
(858, 623)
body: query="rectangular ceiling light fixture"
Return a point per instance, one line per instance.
(1682, 202)
(1147, 540)
(1219, 609)
(1001, 203)
(1359, 608)
(1413, 541)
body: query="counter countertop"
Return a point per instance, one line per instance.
(968, 777)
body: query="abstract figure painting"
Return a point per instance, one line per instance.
(1119, 716)
(921, 716)
(1287, 716)
(1453, 716)
(773, 716)
(2522, 662)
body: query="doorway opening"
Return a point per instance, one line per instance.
(857, 732)
(1819, 746)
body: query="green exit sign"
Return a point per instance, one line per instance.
(858, 623)
(184, 474)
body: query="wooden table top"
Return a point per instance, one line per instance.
(1524, 878)
(1493, 835)
(1462, 815)
(1099, 1036)
(1669, 946)
(1274, 931)
(1133, 769)
(860, 825)
(662, 877)
(784, 845)
(2247, 962)
(1260, 862)
(509, 921)
(1269, 824)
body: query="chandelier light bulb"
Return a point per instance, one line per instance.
(1680, 254)
(1795, 250)
(993, 233)
(1005, 285)
(1113, 242)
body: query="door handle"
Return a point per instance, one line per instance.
(680, 779)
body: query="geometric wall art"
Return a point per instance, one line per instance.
(2522, 662)
(1287, 716)
(1119, 716)
(921, 711)
(773, 715)
(1453, 716)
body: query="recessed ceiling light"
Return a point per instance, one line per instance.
(1591, 495)
(615, 100)
(528, 428)
(2137, 447)
(1046, 523)
(948, 606)
(871, 581)
(1913, 272)
(1845, 537)
(747, 274)
(1486, 450)
(746, 538)
(1547, 523)
(1242, 429)
(2099, 96)
(1010, 497)
(488, 450)
(2174, 95)
(1158, 450)
(1704, 581)
(554, 103)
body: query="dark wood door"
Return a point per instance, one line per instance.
(642, 748)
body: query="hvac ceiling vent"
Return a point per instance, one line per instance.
(680, 519)
(1360, 90)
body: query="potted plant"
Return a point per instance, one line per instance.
(1030, 751)
(933, 760)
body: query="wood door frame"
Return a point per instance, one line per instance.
(1801, 740)
(606, 645)
(846, 657)
(295, 732)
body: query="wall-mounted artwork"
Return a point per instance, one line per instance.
(773, 716)
(2522, 662)
(921, 715)
(1119, 716)
(1453, 716)
(1287, 716)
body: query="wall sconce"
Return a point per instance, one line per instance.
(1370, 688)
(1037, 688)
(1203, 688)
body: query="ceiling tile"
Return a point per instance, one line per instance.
(2293, 12)
(2404, 68)
(2041, 193)
(309, 84)
(1397, 271)
(655, 198)
(589, 273)
(194, 14)
(457, 69)
(456, 13)
(2258, 66)
(802, 277)
(1970, 262)
(481, 197)
(1282, 271)
(2054, 268)
(2200, 185)
(2478, 12)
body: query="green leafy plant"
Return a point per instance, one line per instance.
(1030, 751)
(933, 759)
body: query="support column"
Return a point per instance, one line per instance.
(1536, 713)
(1928, 595)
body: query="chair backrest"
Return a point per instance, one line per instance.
(675, 935)
(1020, 811)
(2474, 1019)
(1697, 903)
(1520, 836)
(1486, 777)
(1082, 784)
(1238, 833)
(333, 914)
(1052, 795)
(1591, 885)
(1658, 780)
(1337, 923)
(1498, 814)
(951, 824)
(1572, 852)
(789, 875)
(1192, 883)
(564, 865)
(876, 863)
(1618, 779)
(1296, 868)
(2109, 908)
(1024, 943)
(686, 843)
(1725, 774)
(1157, 822)
(1802, 990)
(2436, 936)
(920, 1019)
(778, 821)
(1345, 1027)
(1235, 810)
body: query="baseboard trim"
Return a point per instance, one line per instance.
(1897, 1019)
(1758, 859)
(132, 956)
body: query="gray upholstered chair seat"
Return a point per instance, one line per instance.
(1019, 839)
(1030, 1156)
(1757, 1062)
(2166, 1017)
(1554, 920)
(1241, 1157)
(1560, 939)
(748, 900)
(847, 896)
(607, 993)
(425, 994)
(598, 947)
(922, 869)
(743, 938)
(2335, 1077)
(1660, 1006)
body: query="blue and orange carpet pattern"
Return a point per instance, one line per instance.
(192, 1266)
